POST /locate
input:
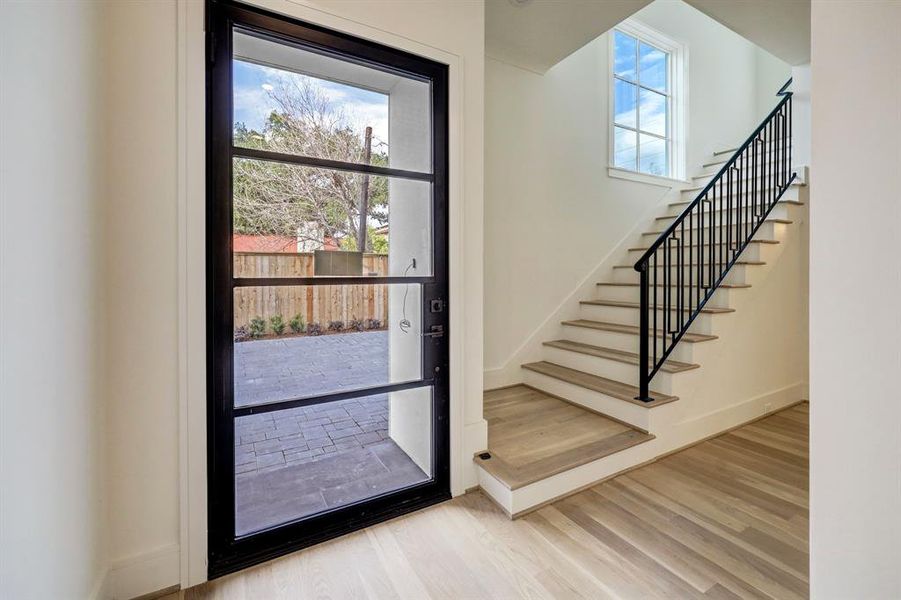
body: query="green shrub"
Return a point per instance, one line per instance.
(296, 323)
(257, 327)
(277, 323)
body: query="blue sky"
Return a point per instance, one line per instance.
(253, 105)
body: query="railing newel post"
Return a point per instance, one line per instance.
(643, 333)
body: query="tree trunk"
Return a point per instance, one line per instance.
(364, 194)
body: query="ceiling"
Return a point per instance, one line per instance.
(781, 27)
(537, 34)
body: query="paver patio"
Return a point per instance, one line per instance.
(300, 461)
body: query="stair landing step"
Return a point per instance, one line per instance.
(697, 188)
(634, 284)
(726, 151)
(595, 383)
(738, 262)
(767, 220)
(631, 358)
(752, 241)
(712, 310)
(633, 330)
(781, 200)
(533, 435)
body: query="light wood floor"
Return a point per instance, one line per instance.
(727, 518)
(532, 436)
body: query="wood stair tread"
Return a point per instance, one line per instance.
(634, 284)
(632, 358)
(625, 304)
(738, 262)
(752, 241)
(533, 435)
(633, 329)
(767, 220)
(783, 200)
(610, 387)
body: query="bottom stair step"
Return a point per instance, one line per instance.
(533, 436)
(614, 389)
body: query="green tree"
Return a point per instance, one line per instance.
(280, 199)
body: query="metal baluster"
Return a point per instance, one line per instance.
(642, 330)
(680, 289)
(656, 290)
(790, 132)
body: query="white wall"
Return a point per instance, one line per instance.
(770, 74)
(855, 283)
(52, 507)
(552, 213)
(142, 296)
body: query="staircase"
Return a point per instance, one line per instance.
(634, 355)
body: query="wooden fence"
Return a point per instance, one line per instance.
(315, 303)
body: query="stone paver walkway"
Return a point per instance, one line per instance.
(297, 435)
(297, 462)
(269, 370)
(292, 367)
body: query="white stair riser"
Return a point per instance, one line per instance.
(767, 231)
(676, 208)
(690, 194)
(737, 274)
(753, 252)
(605, 367)
(684, 351)
(704, 323)
(780, 211)
(630, 413)
(722, 297)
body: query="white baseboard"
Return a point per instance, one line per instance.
(142, 574)
(101, 587)
(500, 377)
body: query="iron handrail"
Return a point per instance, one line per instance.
(786, 96)
(766, 155)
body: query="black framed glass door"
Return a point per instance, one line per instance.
(327, 278)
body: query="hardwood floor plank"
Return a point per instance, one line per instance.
(724, 519)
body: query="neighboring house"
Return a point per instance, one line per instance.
(263, 243)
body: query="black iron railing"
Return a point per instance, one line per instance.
(685, 265)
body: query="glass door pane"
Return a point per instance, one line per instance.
(295, 342)
(296, 101)
(299, 462)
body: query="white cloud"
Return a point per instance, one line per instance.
(253, 103)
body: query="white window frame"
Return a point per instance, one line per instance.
(677, 99)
